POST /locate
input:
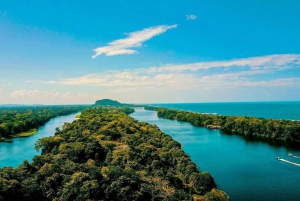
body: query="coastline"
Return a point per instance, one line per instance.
(280, 110)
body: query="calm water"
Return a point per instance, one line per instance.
(13, 154)
(244, 170)
(268, 110)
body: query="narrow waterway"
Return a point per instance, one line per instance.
(245, 170)
(14, 153)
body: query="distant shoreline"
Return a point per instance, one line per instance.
(281, 130)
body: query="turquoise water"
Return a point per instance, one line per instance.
(245, 170)
(20, 149)
(268, 110)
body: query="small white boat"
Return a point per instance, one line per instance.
(291, 155)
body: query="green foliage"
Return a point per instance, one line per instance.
(215, 195)
(14, 121)
(127, 108)
(108, 102)
(106, 155)
(282, 130)
(28, 133)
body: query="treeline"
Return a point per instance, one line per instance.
(107, 155)
(108, 102)
(14, 120)
(111, 103)
(284, 130)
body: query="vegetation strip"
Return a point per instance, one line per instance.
(107, 155)
(283, 130)
(24, 121)
(26, 134)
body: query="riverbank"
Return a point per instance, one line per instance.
(22, 134)
(280, 130)
(26, 134)
(107, 155)
(15, 150)
(243, 168)
(20, 121)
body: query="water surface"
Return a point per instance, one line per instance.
(20, 149)
(289, 110)
(245, 170)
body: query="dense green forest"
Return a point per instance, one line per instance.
(14, 120)
(107, 155)
(283, 130)
(114, 103)
(108, 102)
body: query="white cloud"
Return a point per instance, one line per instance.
(191, 17)
(270, 62)
(251, 73)
(223, 81)
(35, 94)
(126, 79)
(134, 39)
(38, 95)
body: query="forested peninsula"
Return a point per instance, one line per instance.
(107, 155)
(24, 120)
(281, 130)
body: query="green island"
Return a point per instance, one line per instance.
(107, 155)
(281, 130)
(24, 121)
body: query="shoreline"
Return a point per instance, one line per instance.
(272, 129)
(19, 135)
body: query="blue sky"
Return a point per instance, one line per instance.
(71, 52)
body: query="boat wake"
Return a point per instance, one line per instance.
(291, 155)
(283, 160)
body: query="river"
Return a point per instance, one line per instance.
(20, 149)
(245, 170)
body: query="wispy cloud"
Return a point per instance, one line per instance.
(134, 39)
(191, 17)
(48, 95)
(126, 79)
(245, 72)
(270, 62)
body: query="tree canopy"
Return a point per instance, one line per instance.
(14, 120)
(281, 130)
(107, 155)
(108, 102)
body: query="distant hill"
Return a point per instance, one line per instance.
(108, 102)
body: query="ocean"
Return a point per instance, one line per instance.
(289, 110)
